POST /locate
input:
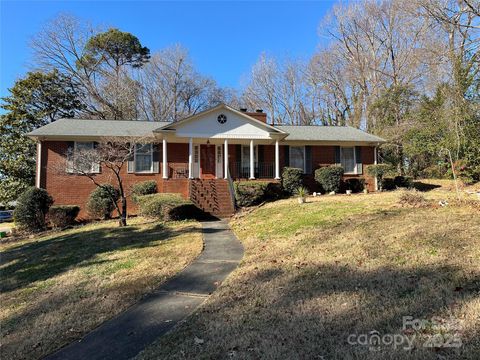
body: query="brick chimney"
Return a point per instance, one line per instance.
(258, 114)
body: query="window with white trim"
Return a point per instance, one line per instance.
(83, 158)
(143, 158)
(348, 160)
(297, 157)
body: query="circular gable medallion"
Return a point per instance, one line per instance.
(222, 119)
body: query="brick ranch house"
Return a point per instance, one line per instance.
(199, 156)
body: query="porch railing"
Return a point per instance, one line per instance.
(263, 170)
(178, 171)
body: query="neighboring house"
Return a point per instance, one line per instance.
(199, 155)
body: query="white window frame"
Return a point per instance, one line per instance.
(135, 160)
(304, 157)
(92, 166)
(355, 171)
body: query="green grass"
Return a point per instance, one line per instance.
(57, 286)
(315, 273)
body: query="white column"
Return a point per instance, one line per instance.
(225, 156)
(375, 162)
(190, 158)
(39, 165)
(277, 160)
(252, 161)
(164, 159)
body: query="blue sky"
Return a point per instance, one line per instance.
(224, 38)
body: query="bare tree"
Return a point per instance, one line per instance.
(172, 88)
(111, 155)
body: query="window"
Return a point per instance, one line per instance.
(348, 160)
(143, 158)
(297, 157)
(83, 159)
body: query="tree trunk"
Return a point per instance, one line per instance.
(123, 217)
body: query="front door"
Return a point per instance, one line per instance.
(207, 161)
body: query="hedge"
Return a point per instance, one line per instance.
(166, 207)
(61, 216)
(31, 208)
(101, 201)
(356, 185)
(292, 178)
(249, 193)
(144, 188)
(329, 178)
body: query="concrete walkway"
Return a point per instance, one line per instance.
(126, 335)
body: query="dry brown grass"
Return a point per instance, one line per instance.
(58, 287)
(315, 273)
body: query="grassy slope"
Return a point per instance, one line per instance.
(315, 273)
(57, 287)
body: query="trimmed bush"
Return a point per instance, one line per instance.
(292, 178)
(32, 206)
(165, 207)
(101, 201)
(249, 193)
(387, 183)
(329, 178)
(144, 188)
(61, 216)
(403, 182)
(379, 171)
(356, 185)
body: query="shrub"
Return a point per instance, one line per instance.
(356, 185)
(301, 192)
(403, 181)
(329, 178)
(249, 193)
(101, 201)
(61, 216)
(143, 188)
(165, 207)
(387, 183)
(379, 171)
(292, 178)
(32, 206)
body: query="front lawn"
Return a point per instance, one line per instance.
(57, 287)
(320, 279)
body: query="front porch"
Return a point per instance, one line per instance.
(205, 159)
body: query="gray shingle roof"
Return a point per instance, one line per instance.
(93, 128)
(82, 127)
(327, 133)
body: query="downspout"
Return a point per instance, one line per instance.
(39, 165)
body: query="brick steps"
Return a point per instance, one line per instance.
(212, 196)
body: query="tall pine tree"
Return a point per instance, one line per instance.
(34, 101)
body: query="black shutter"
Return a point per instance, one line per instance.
(156, 157)
(287, 155)
(338, 160)
(261, 152)
(308, 159)
(238, 153)
(358, 158)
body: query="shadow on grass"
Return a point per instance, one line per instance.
(424, 187)
(311, 311)
(27, 263)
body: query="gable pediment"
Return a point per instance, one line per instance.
(221, 122)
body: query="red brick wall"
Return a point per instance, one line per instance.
(72, 189)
